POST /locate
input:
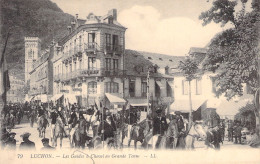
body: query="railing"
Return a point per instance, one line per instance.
(110, 48)
(80, 73)
(92, 46)
(113, 72)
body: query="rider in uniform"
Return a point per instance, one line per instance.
(107, 128)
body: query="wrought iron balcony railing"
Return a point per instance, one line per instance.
(110, 48)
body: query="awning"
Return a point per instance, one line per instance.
(159, 84)
(56, 97)
(114, 99)
(184, 105)
(137, 102)
(231, 108)
(70, 98)
(43, 98)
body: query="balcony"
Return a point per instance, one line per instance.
(91, 47)
(110, 48)
(113, 72)
(80, 73)
(73, 52)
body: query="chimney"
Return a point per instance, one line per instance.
(113, 12)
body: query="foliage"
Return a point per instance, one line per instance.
(40, 18)
(189, 68)
(246, 116)
(233, 53)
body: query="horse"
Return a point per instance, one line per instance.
(138, 132)
(42, 124)
(196, 131)
(58, 132)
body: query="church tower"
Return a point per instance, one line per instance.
(32, 53)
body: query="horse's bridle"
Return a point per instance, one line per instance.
(194, 136)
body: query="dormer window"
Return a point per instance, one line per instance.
(170, 60)
(149, 58)
(110, 20)
(160, 58)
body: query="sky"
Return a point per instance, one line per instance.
(160, 26)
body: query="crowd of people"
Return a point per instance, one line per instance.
(88, 127)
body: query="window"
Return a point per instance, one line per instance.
(160, 58)
(80, 63)
(92, 87)
(144, 89)
(108, 41)
(185, 85)
(115, 64)
(112, 87)
(150, 58)
(92, 64)
(108, 64)
(169, 90)
(132, 88)
(91, 37)
(198, 87)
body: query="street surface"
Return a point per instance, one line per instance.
(25, 127)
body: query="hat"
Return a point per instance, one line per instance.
(25, 135)
(12, 133)
(45, 140)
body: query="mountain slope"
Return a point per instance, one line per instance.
(41, 18)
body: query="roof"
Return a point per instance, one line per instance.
(140, 59)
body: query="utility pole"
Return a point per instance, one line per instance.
(148, 93)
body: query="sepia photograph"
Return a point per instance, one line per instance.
(130, 81)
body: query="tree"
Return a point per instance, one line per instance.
(233, 53)
(189, 68)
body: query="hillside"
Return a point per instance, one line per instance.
(41, 18)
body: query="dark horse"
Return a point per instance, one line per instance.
(42, 124)
(138, 132)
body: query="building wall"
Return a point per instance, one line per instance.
(16, 92)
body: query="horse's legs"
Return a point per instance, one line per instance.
(129, 142)
(61, 141)
(135, 143)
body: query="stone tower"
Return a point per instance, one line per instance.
(32, 53)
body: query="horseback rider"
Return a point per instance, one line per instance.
(172, 132)
(159, 125)
(107, 128)
(181, 130)
(82, 126)
(73, 121)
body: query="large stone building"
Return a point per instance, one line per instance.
(88, 62)
(16, 92)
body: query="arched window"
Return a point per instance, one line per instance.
(92, 87)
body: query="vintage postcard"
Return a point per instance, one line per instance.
(137, 81)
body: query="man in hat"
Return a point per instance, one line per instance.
(82, 130)
(159, 125)
(46, 145)
(73, 122)
(238, 133)
(11, 142)
(230, 131)
(26, 144)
